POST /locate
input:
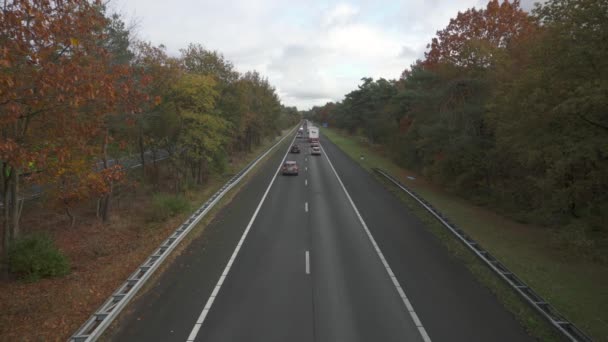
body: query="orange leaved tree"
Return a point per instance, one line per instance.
(474, 36)
(58, 86)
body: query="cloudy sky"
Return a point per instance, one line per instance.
(311, 51)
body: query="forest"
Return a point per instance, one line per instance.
(78, 92)
(508, 109)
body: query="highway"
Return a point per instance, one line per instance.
(328, 255)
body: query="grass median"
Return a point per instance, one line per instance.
(575, 286)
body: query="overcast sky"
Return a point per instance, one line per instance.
(311, 51)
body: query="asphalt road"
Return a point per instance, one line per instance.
(307, 269)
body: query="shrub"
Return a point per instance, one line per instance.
(165, 206)
(36, 256)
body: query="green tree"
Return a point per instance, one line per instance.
(550, 117)
(202, 133)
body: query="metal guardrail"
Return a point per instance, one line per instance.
(94, 327)
(559, 322)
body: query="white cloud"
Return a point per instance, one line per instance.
(340, 14)
(312, 51)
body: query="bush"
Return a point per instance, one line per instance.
(165, 206)
(36, 256)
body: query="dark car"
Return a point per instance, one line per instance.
(290, 167)
(295, 149)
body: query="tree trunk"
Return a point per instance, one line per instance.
(71, 216)
(15, 208)
(154, 165)
(104, 211)
(4, 234)
(98, 210)
(193, 172)
(206, 172)
(11, 210)
(142, 153)
(105, 208)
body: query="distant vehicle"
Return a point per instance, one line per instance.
(295, 149)
(316, 150)
(290, 167)
(313, 134)
(299, 134)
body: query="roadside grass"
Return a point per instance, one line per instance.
(101, 256)
(576, 287)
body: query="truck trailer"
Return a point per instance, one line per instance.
(313, 134)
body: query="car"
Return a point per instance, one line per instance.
(316, 150)
(295, 149)
(290, 167)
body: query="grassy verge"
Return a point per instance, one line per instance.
(101, 256)
(576, 287)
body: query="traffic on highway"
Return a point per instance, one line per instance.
(305, 252)
(304, 171)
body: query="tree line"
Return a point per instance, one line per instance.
(507, 108)
(77, 92)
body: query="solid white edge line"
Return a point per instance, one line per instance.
(398, 287)
(194, 332)
(218, 286)
(307, 262)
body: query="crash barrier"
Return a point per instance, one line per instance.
(94, 327)
(559, 322)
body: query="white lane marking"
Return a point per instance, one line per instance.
(306, 168)
(306, 159)
(216, 290)
(404, 298)
(194, 332)
(306, 182)
(307, 262)
(306, 206)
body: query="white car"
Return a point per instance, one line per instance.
(315, 150)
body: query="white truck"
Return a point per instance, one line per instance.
(313, 134)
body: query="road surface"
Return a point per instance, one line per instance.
(294, 258)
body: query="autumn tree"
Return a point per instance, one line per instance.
(159, 72)
(507, 109)
(58, 87)
(474, 37)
